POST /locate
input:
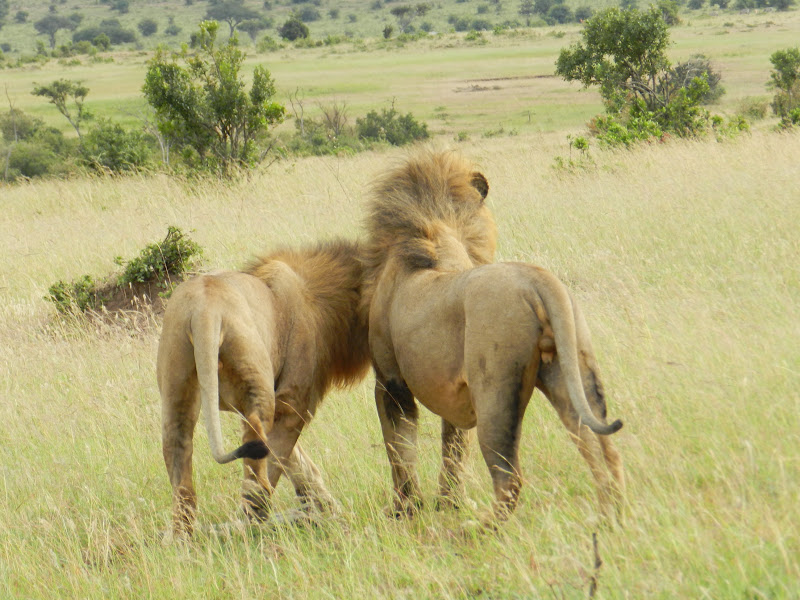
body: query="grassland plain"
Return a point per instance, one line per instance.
(501, 85)
(342, 18)
(684, 258)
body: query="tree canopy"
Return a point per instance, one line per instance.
(231, 12)
(204, 108)
(52, 24)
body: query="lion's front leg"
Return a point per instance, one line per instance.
(398, 414)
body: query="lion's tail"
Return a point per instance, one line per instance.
(207, 339)
(558, 305)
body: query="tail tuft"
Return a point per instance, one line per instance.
(256, 450)
(615, 427)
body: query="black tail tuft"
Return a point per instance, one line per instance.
(255, 450)
(615, 426)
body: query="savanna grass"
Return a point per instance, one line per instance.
(683, 257)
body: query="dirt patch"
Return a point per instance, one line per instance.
(135, 305)
(477, 88)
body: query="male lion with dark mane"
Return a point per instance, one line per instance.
(470, 340)
(266, 343)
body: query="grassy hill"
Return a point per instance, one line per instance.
(351, 18)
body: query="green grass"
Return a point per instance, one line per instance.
(683, 257)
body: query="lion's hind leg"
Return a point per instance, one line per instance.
(596, 450)
(500, 413)
(247, 384)
(180, 413)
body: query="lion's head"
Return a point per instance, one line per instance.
(411, 204)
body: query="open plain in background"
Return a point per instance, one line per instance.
(684, 257)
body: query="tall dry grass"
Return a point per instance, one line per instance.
(684, 258)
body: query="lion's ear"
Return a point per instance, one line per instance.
(479, 183)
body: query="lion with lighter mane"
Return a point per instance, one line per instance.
(266, 343)
(470, 339)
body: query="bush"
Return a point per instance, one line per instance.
(147, 27)
(293, 29)
(31, 159)
(109, 147)
(267, 44)
(582, 13)
(122, 6)
(695, 4)
(560, 13)
(112, 29)
(790, 119)
(31, 148)
(76, 296)
(157, 262)
(308, 14)
(699, 65)
(389, 126)
(754, 109)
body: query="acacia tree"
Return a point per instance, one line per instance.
(203, 107)
(624, 53)
(59, 94)
(50, 25)
(253, 27)
(232, 12)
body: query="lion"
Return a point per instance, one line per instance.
(266, 343)
(470, 339)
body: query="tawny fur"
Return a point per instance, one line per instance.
(266, 343)
(468, 339)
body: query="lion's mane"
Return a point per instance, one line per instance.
(331, 274)
(409, 204)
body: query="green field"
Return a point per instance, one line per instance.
(503, 85)
(682, 255)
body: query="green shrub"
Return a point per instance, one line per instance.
(729, 128)
(753, 108)
(391, 127)
(29, 159)
(267, 44)
(157, 262)
(109, 146)
(76, 296)
(611, 132)
(114, 31)
(293, 29)
(790, 119)
(147, 27)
